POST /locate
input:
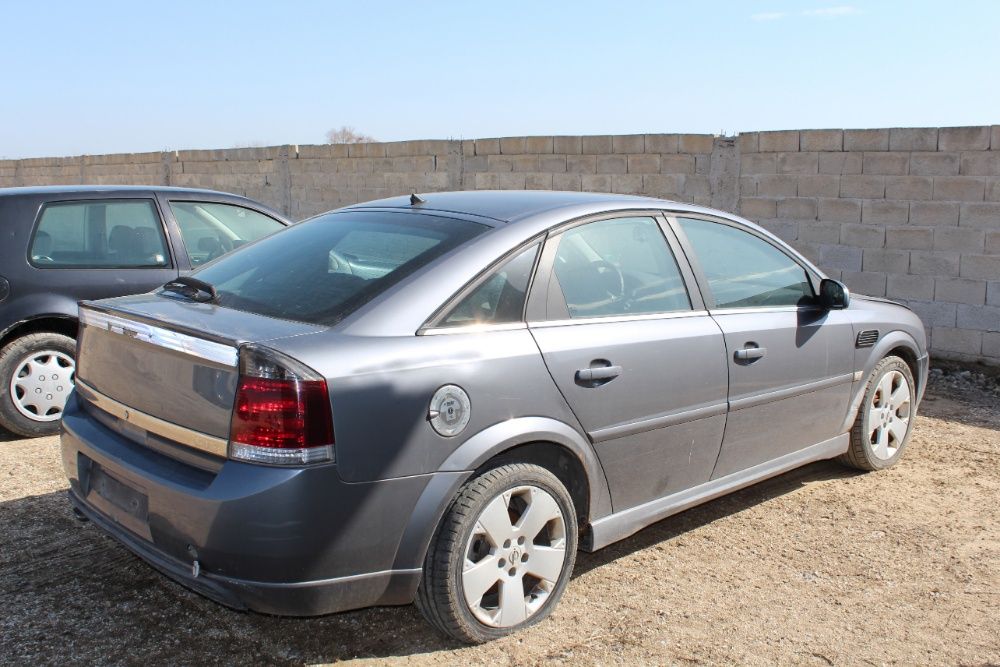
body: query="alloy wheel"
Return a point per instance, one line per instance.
(889, 415)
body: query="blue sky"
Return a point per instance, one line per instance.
(97, 77)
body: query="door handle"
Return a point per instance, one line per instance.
(598, 375)
(750, 352)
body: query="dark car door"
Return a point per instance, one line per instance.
(635, 355)
(790, 361)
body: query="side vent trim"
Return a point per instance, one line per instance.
(867, 338)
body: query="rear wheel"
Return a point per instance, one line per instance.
(37, 374)
(502, 556)
(885, 418)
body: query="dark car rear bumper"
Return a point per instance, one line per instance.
(295, 542)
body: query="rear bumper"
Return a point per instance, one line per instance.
(287, 541)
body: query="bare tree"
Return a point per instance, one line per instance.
(346, 134)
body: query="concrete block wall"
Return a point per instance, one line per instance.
(912, 214)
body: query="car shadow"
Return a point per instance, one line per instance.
(7, 436)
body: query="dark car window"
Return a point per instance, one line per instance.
(321, 270)
(211, 230)
(119, 233)
(621, 266)
(744, 270)
(500, 298)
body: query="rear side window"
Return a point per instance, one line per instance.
(743, 270)
(211, 230)
(322, 270)
(120, 233)
(500, 298)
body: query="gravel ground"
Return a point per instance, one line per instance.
(820, 566)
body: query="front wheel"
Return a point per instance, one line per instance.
(37, 374)
(502, 555)
(885, 418)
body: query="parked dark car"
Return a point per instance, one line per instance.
(62, 244)
(439, 399)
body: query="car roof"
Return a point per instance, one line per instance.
(511, 205)
(82, 189)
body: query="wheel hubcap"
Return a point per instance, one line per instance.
(41, 384)
(889, 415)
(514, 557)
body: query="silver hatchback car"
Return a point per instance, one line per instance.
(440, 399)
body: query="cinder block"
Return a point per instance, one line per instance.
(980, 215)
(702, 164)
(840, 163)
(819, 185)
(524, 163)
(612, 164)
(908, 187)
(487, 181)
(866, 140)
(568, 182)
(629, 184)
(889, 164)
(820, 232)
(993, 293)
(756, 208)
(537, 145)
(661, 143)
(628, 143)
(881, 211)
(959, 188)
(582, 164)
(871, 284)
(759, 163)
(934, 164)
(538, 181)
(862, 186)
(992, 242)
(663, 185)
(695, 143)
(596, 145)
(995, 138)
(991, 346)
(910, 287)
(993, 188)
(821, 140)
(497, 163)
(511, 181)
(644, 164)
(886, 261)
(554, 164)
(913, 139)
(934, 313)
(909, 238)
(595, 182)
(840, 258)
(777, 185)
(748, 186)
(797, 208)
(748, 142)
(935, 264)
(964, 138)
(980, 163)
(697, 185)
(964, 341)
(487, 147)
(567, 145)
(863, 236)
(933, 213)
(840, 210)
(981, 267)
(777, 142)
(959, 239)
(960, 290)
(513, 145)
(786, 230)
(798, 163)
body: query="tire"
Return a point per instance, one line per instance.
(476, 530)
(882, 428)
(50, 355)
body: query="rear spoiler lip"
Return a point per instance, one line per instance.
(224, 352)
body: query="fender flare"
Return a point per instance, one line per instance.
(890, 341)
(476, 451)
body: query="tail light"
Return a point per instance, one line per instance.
(281, 413)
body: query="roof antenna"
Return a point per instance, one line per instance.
(415, 199)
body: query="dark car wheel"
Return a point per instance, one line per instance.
(502, 556)
(885, 418)
(37, 373)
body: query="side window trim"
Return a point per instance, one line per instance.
(702, 279)
(537, 311)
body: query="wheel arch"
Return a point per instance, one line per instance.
(898, 343)
(59, 323)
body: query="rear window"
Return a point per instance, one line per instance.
(322, 270)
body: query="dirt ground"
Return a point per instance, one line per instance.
(820, 566)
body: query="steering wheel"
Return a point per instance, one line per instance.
(340, 264)
(43, 258)
(605, 268)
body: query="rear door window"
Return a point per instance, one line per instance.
(119, 233)
(499, 299)
(211, 229)
(322, 270)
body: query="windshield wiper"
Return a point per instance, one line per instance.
(192, 288)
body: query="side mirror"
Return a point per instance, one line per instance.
(833, 294)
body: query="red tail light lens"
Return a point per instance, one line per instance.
(281, 413)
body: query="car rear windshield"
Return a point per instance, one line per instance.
(322, 270)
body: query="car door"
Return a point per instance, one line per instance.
(790, 361)
(633, 351)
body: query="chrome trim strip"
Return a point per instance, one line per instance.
(219, 353)
(185, 436)
(472, 328)
(788, 392)
(618, 318)
(659, 421)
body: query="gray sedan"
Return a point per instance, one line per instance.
(440, 399)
